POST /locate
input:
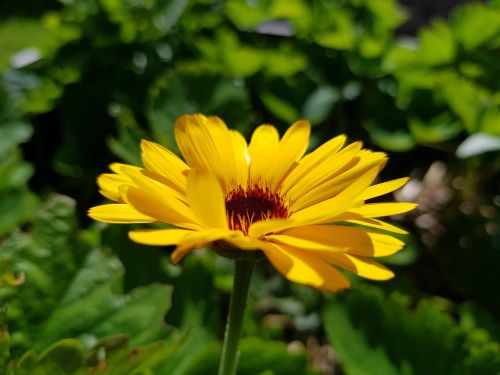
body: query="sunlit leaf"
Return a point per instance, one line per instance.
(393, 339)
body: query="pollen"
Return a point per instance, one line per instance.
(246, 206)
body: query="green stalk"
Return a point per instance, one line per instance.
(230, 355)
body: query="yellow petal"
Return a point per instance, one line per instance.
(158, 237)
(340, 182)
(195, 142)
(353, 218)
(312, 160)
(241, 158)
(243, 242)
(383, 209)
(261, 150)
(260, 228)
(271, 161)
(327, 210)
(291, 148)
(118, 214)
(198, 240)
(319, 213)
(119, 167)
(323, 171)
(302, 268)
(338, 238)
(155, 202)
(206, 199)
(110, 183)
(148, 180)
(383, 188)
(206, 143)
(162, 161)
(358, 265)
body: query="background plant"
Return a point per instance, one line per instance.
(83, 81)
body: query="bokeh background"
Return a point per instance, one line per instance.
(82, 81)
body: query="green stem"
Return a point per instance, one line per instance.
(230, 355)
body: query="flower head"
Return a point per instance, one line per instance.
(307, 213)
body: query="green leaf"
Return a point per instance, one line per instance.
(257, 357)
(437, 45)
(279, 107)
(4, 335)
(17, 206)
(37, 94)
(71, 291)
(195, 312)
(18, 34)
(166, 13)
(13, 134)
(65, 356)
(373, 334)
(476, 25)
(284, 62)
(140, 313)
(109, 356)
(333, 26)
(438, 129)
(474, 104)
(396, 140)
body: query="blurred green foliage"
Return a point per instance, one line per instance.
(82, 81)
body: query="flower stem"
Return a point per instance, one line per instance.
(230, 355)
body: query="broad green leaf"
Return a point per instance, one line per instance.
(72, 291)
(47, 255)
(388, 13)
(37, 94)
(12, 134)
(279, 107)
(101, 312)
(166, 13)
(373, 334)
(438, 129)
(65, 356)
(14, 173)
(111, 355)
(474, 104)
(251, 15)
(476, 25)
(401, 56)
(284, 62)
(17, 203)
(396, 140)
(462, 96)
(333, 26)
(437, 45)
(18, 34)
(257, 357)
(17, 206)
(246, 15)
(195, 313)
(4, 335)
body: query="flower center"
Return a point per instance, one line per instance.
(246, 206)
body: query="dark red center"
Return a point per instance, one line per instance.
(246, 206)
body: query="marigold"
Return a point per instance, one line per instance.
(307, 214)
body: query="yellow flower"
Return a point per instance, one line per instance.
(306, 213)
